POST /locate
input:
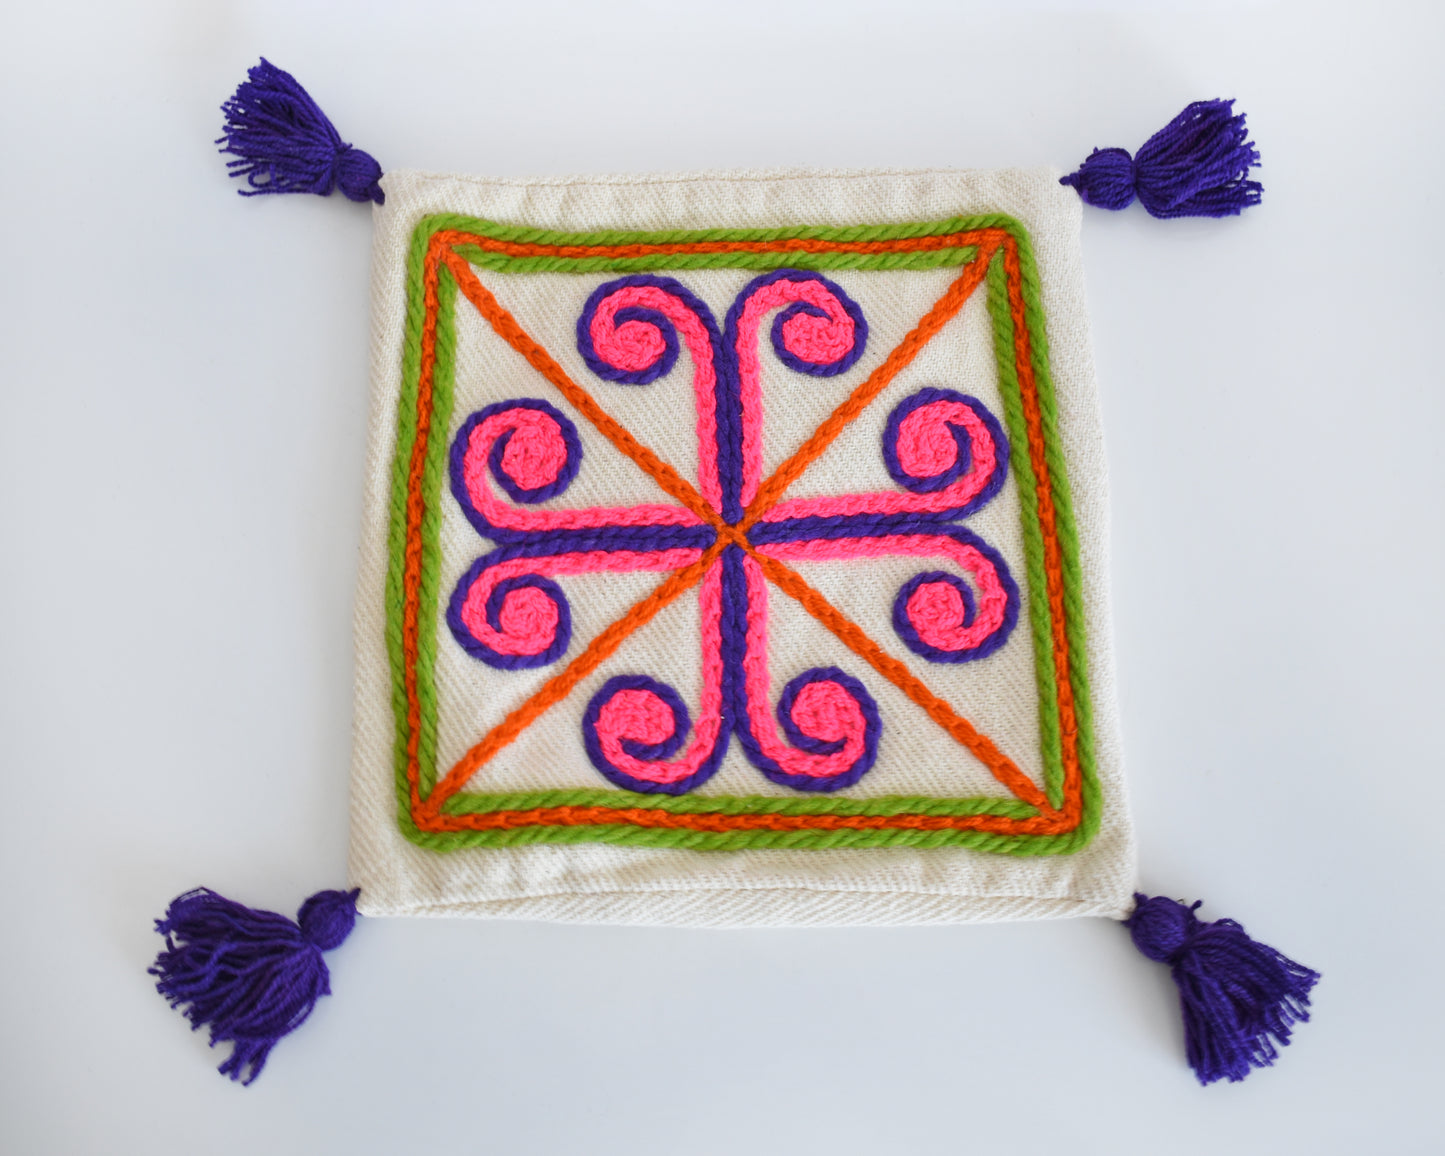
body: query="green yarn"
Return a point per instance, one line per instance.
(817, 262)
(433, 479)
(396, 531)
(782, 259)
(627, 835)
(1066, 530)
(527, 235)
(632, 835)
(1022, 468)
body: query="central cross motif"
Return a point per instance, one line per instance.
(732, 535)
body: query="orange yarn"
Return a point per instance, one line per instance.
(515, 336)
(427, 812)
(666, 248)
(1053, 562)
(560, 686)
(855, 639)
(718, 821)
(411, 570)
(772, 490)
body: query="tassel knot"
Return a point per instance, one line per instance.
(1162, 929)
(357, 174)
(284, 143)
(1195, 166)
(326, 919)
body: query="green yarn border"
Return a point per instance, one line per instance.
(780, 259)
(628, 834)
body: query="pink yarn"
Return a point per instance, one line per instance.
(536, 462)
(817, 339)
(635, 345)
(926, 448)
(529, 622)
(526, 627)
(825, 706)
(992, 598)
(925, 443)
(641, 716)
(828, 706)
(936, 611)
(535, 453)
(825, 711)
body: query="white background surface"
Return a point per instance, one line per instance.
(182, 405)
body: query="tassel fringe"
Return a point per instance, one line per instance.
(1195, 166)
(284, 143)
(254, 976)
(1240, 998)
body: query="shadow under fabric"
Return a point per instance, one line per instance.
(735, 554)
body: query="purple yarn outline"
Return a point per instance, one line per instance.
(682, 725)
(884, 526)
(461, 444)
(478, 649)
(639, 539)
(734, 650)
(730, 401)
(664, 364)
(785, 355)
(930, 396)
(817, 746)
(905, 629)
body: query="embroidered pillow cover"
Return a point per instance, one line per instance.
(734, 553)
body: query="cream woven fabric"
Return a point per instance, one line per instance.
(596, 882)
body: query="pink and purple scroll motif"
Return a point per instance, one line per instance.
(945, 451)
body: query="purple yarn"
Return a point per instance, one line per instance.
(905, 629)
(286, 144)
(733, 626)
(555, 648)
(903, 624)
(1239, 997)
(665, 328)
(884, 525)
(734, 648)
(608, 538)
(730, 403)
(1195, 166)
(964, 461)
(872, 732)
(254, 976)
(461, 444)
(682, 723)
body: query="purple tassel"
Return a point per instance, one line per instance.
(286, 144)
(1239, 997)
(254, 976)
(1195, 166)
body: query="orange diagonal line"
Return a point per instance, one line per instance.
(853, 637)
(520, 340)
(772, 490)
(562, 684)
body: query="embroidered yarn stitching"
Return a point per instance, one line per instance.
(991, 824)
(505, 613)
